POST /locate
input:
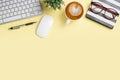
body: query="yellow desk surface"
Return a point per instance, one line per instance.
(83, 50)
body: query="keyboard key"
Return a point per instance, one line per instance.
(24, 15)
(1, 21)
(0, 17)
(12, 18)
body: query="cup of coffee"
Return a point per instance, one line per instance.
(73, 11)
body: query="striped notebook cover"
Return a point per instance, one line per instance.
(99, 17)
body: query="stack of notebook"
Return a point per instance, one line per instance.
(105, 12)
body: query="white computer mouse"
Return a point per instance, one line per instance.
(44, 26)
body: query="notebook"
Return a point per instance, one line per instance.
(105, 12)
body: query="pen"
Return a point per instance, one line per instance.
(19, 26)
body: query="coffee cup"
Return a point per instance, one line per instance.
(73, 11)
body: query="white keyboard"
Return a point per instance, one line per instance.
(12, 10)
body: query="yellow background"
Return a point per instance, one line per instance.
(83, 50)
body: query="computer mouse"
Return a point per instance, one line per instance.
(44, 26)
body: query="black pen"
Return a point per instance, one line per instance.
(19, 26)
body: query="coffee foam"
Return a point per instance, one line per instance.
(74, 10)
